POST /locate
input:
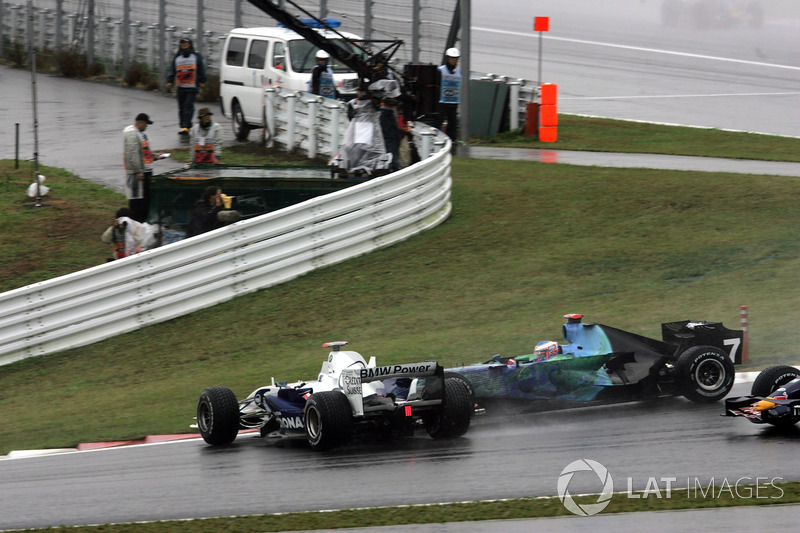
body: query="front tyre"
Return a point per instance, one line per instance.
(453, 418)
(241, 129)
(773, 378)
(328, 420)
(705, 374)
(218, 415)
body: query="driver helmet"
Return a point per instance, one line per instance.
(452, 52)
(545, 350)
(322, 54)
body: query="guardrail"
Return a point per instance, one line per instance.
(167, 282)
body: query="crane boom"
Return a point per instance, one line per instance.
(335, 47)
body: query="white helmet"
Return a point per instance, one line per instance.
(452, 52)
(322, 54)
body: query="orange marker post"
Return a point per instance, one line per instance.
(548, 113)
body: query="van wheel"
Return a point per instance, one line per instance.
(241, 129)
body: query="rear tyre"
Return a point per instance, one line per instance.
(453, 418)
(705, 374)
(328, 420)
(218, 415)
(772, 378)
(241, 129)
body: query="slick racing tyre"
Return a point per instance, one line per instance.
(241, 129)
(453, 419)
(218, 415)
(772, 378)
(705, 374)
(328, 420)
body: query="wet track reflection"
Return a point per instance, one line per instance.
(504, 455)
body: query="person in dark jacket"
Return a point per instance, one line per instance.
(188, 73)
(204, 214)
(392, 135)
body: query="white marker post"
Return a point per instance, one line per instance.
(541, 24)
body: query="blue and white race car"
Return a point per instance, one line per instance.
(349, 395)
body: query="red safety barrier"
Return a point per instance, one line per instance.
(532, 119)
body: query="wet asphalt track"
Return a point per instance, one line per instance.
(501, 457)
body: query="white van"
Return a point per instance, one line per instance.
(254, 58)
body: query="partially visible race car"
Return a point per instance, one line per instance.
(774, 399)
(713, 13)
(695, 359)
(349, 395)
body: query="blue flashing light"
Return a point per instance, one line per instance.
(313, 23)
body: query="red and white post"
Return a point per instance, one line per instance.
(743, 316)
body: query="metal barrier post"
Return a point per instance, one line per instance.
(513, 117)
(334, 127)
(270, 119)
(427, 141)
(313, 104)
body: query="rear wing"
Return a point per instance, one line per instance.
(688, 333)
(429, 387)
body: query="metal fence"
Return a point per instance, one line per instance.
(119, 32)
(253, 254)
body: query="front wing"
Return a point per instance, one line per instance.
(788, 410)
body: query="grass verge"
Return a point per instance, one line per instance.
(526, 243)
(605, 135)
(780, 493)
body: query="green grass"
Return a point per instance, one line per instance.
(60, 237)
(526, 243)
(604, 135)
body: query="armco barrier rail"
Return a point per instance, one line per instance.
(157, 285)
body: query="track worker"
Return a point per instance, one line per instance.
(322, 82)
(449, 76)
(137, 158)
(206, 139)
(188, 73)
(204, 214)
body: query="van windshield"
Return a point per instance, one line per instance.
(303, 57)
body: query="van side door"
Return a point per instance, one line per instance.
(232, 73)
(253, 94)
